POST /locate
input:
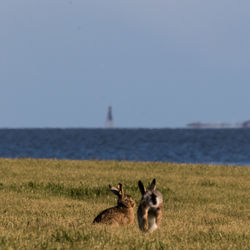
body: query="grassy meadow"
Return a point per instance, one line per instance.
(51, 204)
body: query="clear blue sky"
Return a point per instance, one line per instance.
(161, 63)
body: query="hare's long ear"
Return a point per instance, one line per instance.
(141, 187)
(153, 185)
(121, 190)
(114, 190)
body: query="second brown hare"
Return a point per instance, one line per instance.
(150, 210)
(122, 214)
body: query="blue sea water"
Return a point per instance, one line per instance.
(223, 146)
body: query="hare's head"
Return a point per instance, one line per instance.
(124, 200)
(151, 197)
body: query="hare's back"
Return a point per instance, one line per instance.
(111, 216)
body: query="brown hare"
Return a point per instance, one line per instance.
(122, 214)
(150, 210)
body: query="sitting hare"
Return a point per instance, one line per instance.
(122, 214)
(149, 212)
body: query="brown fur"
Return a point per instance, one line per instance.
(150, 210)
(122, 214)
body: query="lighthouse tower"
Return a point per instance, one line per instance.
(109, 119)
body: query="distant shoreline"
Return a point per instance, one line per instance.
(245, 124)
(188, 126)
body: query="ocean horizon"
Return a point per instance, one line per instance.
(230, 146)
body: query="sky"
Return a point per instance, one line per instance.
(159, 63)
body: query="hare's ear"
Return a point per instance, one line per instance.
(114, 190)
(141, 187)
(153, 185)
(121, 190)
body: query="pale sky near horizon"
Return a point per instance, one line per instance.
(161, 63)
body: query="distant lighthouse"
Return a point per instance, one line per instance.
(109, 119)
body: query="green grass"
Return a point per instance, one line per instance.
(51, 204)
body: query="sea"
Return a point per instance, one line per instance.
(211, 146)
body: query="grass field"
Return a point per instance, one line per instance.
(51, 204)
